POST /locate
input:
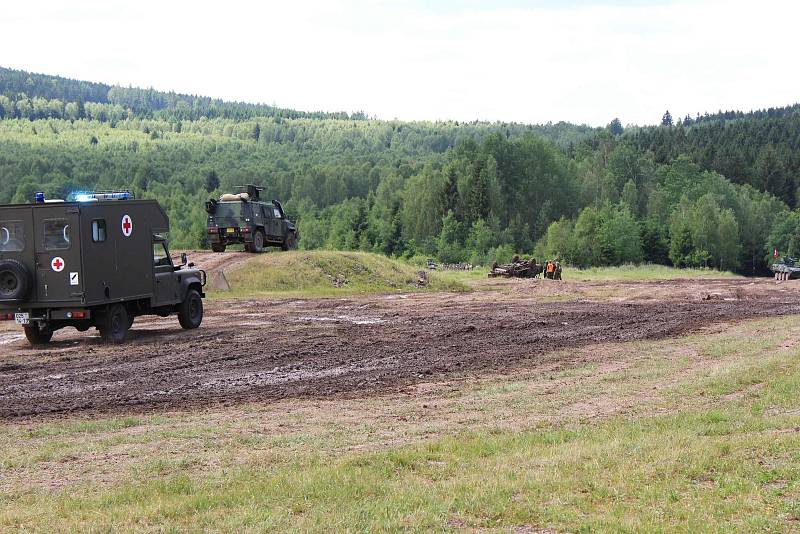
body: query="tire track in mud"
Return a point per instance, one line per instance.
(332, 347)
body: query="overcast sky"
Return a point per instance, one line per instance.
(534, 61)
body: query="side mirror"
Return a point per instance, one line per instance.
(184, 259)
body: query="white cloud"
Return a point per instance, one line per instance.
(528, 62)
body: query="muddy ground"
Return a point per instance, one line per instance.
(261, 350)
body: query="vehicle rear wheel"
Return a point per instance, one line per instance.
(289, 242)
(114, 325)
(258, 242)
(218, 247)
(38, 336)
(190, 311)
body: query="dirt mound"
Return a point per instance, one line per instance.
(213, 262)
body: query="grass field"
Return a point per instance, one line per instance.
(643, 272)
(697, 434)
(333, 273)
(329, 273)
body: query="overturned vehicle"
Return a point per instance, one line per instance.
(98, 261)
(518, 268)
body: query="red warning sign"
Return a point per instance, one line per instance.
(57, 264)
(127, 225)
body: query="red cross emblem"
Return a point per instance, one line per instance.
(57, 264)
(127, 225)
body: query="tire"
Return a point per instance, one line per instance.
(190, 311)
(258, 242)
(113, 326)
(38, 336)
(15, 281)
(218, 247)
(289, 242)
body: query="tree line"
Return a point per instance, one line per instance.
(716, 192)
(26, 92)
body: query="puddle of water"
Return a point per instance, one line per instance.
(342, 318)
(254, 323)
(6, 339)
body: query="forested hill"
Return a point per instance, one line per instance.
(759, 148)
(718, 192)
(47, 93)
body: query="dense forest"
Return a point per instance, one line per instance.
(717, 190)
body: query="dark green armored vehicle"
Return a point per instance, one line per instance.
(244, 219)
(98, 261)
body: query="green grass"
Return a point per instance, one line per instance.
(642, 272)
(309, 274)
(329, 273)
(709, 444)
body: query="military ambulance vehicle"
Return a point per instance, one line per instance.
(98, 261)
(244, 219)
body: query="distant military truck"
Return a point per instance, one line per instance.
(244, 219)
(98, 261)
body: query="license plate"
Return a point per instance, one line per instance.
(231, 230)
(22, 318)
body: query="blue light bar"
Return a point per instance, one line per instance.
(102, 195)
(39, 197)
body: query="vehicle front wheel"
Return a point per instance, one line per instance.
(38, 336)
(190, 311)
(114, 325)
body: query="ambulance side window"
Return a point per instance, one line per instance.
(56, 234)
(12, 236)
(99, 230)
(160, 256)
(277, 213)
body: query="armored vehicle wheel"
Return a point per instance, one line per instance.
(289, 242)
(114, 326)
(258, 242)
(190, 311)
(218, 247)
(15, 281)
(38, 336)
